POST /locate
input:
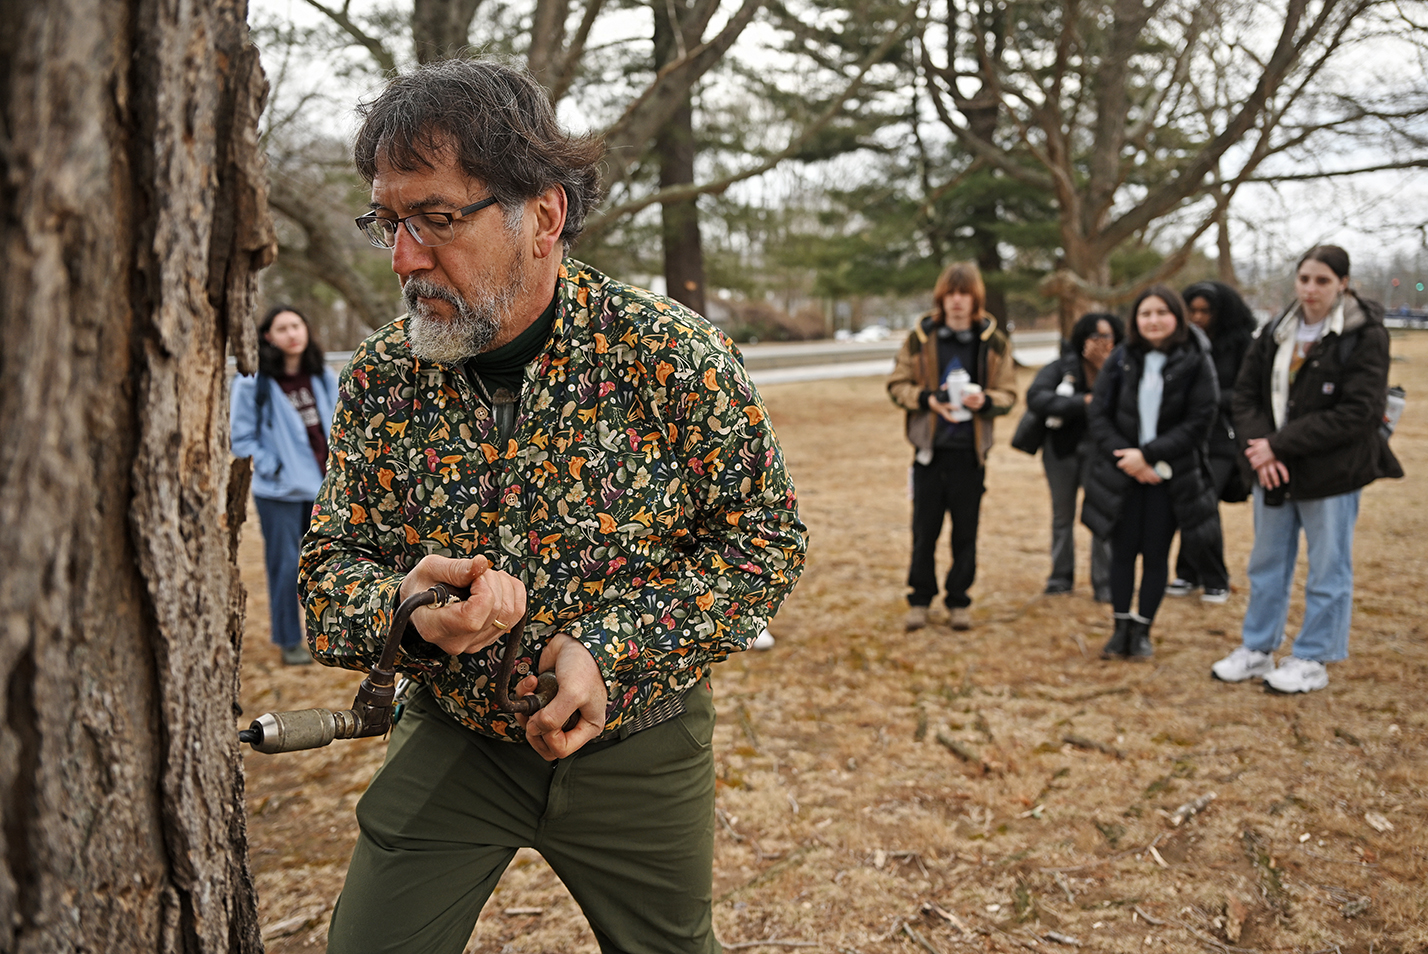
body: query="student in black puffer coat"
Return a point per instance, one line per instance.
(1061, 395)
(1219, 311)
(1154, 402)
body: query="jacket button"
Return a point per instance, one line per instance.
(512, 498)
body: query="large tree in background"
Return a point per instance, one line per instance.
(1129, 112)
(133, 218)
(640, 92)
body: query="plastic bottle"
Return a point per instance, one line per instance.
(953, 381)
(1066, 388)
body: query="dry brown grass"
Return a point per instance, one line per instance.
(847, 826)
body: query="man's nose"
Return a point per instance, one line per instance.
(408, 255)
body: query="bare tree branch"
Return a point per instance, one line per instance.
(385, 61)
(627, 138)
(598, 223)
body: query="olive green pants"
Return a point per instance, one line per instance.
(627, 825)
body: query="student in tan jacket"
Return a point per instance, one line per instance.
(954, 376)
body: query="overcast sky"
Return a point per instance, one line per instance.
(1374, 216)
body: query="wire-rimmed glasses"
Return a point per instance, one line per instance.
(428, 229)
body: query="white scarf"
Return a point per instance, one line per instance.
(1285, 334)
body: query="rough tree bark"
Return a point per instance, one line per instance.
(132, 222)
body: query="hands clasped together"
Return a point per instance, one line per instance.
(1133, 463)
(971, 400)
(496, 603)
(1267, 467)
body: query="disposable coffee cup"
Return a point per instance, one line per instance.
(971, 388)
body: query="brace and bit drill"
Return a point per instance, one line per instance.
(372, 710)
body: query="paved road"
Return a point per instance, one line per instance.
(784, 362)
(815, 360)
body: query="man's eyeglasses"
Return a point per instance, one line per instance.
(429, 229)
(1099, 336)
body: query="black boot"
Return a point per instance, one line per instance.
(1120, 640)
(1139, 646)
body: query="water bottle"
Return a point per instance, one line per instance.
(955, 380)
(1066, 388)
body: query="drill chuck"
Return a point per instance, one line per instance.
(300, 729)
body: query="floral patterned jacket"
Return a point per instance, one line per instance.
(642, 499)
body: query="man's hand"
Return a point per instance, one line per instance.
(974, 400)
(496, 603)
(1267, 467)
(1132, 462)
(582, 689)
(941, 407)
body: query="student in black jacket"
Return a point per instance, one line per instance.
(1219, 311)
(1060, 396)
(1151, 413)
(1308, 408)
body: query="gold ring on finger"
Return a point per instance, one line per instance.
(498, 624)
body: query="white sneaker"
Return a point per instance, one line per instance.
(1244, 663)
(1212, 595)
(1180, 587)
(1297, 675)
(764, 640)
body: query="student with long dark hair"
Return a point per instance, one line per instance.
(280, 417)
(1308, 407)
(1061, 395)
(1219, 311)
(1151, 413)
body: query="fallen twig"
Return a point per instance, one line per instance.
(963, 751)
(723, 817)
(791, 858)
(1084, 743)
(1190, 809)
(1215, 943)
(918, 939)
(911, 856)
(1147, 918)
(1061, 938)
(931, 907)
(771, 942)
(1061, 882)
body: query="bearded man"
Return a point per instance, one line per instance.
(573, 450)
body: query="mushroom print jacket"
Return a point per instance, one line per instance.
(642, 499)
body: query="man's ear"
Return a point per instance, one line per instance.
(549, 221)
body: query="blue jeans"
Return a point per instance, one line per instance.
(284, 522)
(1328, 525)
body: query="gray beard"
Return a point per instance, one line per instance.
(470, 330)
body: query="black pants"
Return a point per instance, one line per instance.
(1205, 564)
(1145, 528)
(952, 484)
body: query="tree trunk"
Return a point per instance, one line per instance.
(441, 28)
(132, 222)
(1226, 266)
(675, 150)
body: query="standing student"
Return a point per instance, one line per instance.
(1308, 406)
(280, 417)
(1061, 395)
(953, 376)
(1219, 311)
(1150, 416)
